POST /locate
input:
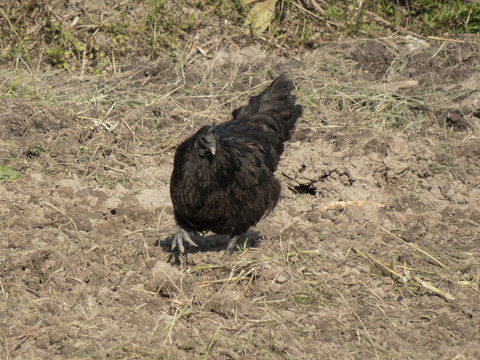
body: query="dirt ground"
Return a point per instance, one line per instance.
(372, 252)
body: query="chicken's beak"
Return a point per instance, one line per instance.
(213, 149)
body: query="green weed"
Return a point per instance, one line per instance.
(434, 17)
(7, 174)
(38, 150)
(93, 44)
(21, 46)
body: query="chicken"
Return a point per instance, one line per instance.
(223, 176)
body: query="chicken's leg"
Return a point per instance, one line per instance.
(229, 249)
(182, 235)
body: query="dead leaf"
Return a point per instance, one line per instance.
(260, 14)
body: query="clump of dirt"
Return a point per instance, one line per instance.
(372, 56)
(372, 251)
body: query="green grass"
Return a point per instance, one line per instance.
(7, 174)
(92, 43)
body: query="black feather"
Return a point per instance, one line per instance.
(223, 176)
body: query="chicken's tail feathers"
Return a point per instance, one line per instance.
(275, 107)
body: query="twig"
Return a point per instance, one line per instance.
(444, 39)
(283, 41)
(114, 169)
(318, 7)
(131, 131)
(235, 279)
(160, 218)
(380, 264)
(3, 290)
(163, 97)
(336, 205)
(415, 246)
(394, 86)
(405, 278)
(437, 291)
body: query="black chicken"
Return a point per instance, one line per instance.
(223, 176)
